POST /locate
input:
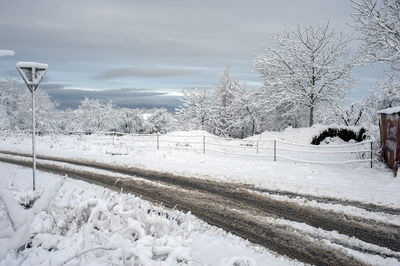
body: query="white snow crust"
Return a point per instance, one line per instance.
(32, 65)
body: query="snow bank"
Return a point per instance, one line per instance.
(86, 224)
(20, 219)
(299, 135)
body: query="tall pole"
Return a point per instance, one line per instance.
(32, 73)
(33, 136)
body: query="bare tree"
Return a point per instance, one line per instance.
(351, 115)
(308, 68)
(379, 22)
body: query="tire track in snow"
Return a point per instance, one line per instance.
(151, 174)
(235, 217)
(328, 200)
(371, 231)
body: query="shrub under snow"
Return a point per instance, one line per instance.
(103, 227)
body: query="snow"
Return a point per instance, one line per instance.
(32, 65)
(81, 223)
(355, 182)
(62, 229)
(389, 111)
(299, 135)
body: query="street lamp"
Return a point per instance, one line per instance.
(32, 73)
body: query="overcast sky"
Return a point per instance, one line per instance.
(146, 51)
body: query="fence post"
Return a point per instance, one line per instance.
(204, 144)
(275, 150)
(371, 154)
(257, 146)
(158, 142)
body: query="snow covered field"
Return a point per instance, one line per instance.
(354, 181)
(76, 223)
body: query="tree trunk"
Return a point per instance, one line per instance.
(311, 115)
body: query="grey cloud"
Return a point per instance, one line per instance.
(52, 86)
(155, 72)
(80, 39)
(131, 98)
(167, 31)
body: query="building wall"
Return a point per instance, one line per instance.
(390, 138)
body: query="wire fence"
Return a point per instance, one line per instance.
(275, 150)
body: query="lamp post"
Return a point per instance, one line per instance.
(32, 73)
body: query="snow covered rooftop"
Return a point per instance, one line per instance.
(389, 111)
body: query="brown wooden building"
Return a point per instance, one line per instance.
(390, 136)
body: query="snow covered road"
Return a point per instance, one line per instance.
(339, 235)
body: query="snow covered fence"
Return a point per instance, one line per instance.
(274, 149)
(15, 133)
(117, 143)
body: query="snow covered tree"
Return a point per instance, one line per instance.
(162, 121)
(15, 102)
(130, 120)
(68, 121)
(231, 110)
(4, 119)
(307, 68)
(195, 109)
(379, 23)
(235, 110)
(386, 95)
(96, 116)
(222, 113)
(46, 112)
(245, 108)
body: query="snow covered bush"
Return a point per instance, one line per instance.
(89, 224)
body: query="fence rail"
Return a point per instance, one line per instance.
(277, 150)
